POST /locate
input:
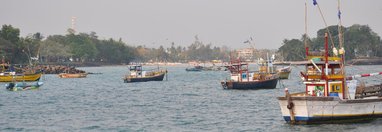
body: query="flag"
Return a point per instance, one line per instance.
(314, 2)
(339, 14)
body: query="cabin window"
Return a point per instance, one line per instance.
(244, 76)
(315, 90)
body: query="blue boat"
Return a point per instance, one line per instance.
(22, 86)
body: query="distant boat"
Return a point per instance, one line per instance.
(195, 68)
(284, 72)
(22, 86)
(241, 78)
(72, 75)
(137, 74)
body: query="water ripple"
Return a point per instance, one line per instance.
(188, 101)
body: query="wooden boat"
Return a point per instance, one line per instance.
(137, 74)
(12, 76)
(241, 78)
(195, 68)
(329, 97)
(72, 75)
(22, 86)
(284, 72)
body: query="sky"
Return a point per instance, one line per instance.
(160, 22)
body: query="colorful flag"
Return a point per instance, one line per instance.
(314, 2)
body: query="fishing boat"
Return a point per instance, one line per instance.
(284, 72)
(195, 68)
(327, 97)
(137, 74)
(22, 86)
(7, 77)
(72, 75)
(242, 78)
(330, 96)
(8, 74)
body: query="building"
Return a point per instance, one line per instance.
(245, 54)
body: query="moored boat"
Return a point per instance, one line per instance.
(22, 86)
(328, 96)
(195, 68)
(284, 72)
(8, 77)
(72, 75)
(137, 74)
(242, 78)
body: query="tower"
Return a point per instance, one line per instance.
(73, 26)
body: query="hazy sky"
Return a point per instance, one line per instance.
(160, 22)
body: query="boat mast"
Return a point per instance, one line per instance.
(306, 32)
(342, 52)
(326, 65)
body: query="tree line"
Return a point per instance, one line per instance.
(87, 47)
(359, 42)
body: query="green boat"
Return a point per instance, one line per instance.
(23, 86)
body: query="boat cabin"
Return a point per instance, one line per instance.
(324, 75)
(136, 71)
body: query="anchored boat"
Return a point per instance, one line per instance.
(284, 72)
(22, 86)
(8, 74)
(137, 74)
(328, 96)
(242, 78)
(72, 75)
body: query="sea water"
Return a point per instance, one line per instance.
(187, 101)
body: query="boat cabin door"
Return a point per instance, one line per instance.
(336, 89)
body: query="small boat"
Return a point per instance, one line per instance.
(241, 78)
(195, 68)
(72, 75)
(8, 74)
(8, 77)
(284, 72)
(22, 86)
(137, 74)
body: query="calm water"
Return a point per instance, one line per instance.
(188, 101)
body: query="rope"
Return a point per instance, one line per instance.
(327, 29)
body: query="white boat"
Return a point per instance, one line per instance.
(329, 97)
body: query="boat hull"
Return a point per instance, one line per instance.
(19, 77)
(263, 84)
(158, 77)
(323, 110)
